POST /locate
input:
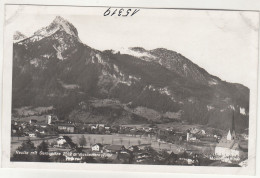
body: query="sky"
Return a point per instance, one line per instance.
(225, 43)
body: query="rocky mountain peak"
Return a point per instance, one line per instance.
(59, 19)
(65, 25)
(59, 23)
(18, 36)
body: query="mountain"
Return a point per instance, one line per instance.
(18, 36)
(54, 68)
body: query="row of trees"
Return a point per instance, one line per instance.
(28, 146)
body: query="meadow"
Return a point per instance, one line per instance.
(115, 139)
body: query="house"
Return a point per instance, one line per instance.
(134, 148)
(67, 128)
(65, 141)
(40, 130)
(100, 125)
(143, 155)
(190, 137)
(114, 148)
(140, 160)
(24, 125)
(93, 127)
(33, 121)
(49, 119)
(193, 138)
(194, 130)
(107, 128)
(61, 140)
(97, 147)
(43, 125)
(32, 135)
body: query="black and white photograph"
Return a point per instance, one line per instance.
(143, 86)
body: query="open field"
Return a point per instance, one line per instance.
(127, 140)
(107, 139)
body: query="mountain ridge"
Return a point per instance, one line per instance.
(60, 70)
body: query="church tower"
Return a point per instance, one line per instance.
(232, 133)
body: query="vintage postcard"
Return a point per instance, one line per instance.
(168, 90)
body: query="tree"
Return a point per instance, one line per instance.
(43, 147)
(139, 142)
(121, 141)
(82, 141)
(27, 146)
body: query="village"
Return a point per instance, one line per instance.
(61, 141)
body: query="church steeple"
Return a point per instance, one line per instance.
(231, 133)
(233, 123)
(229, 137)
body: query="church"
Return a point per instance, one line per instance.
(228, 146)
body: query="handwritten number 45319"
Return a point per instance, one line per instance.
(120, 12)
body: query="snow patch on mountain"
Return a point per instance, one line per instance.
(165, 91)
(185, 69)
(232, 107)
(141, 55)
(116, 68)
(35, 62)
(134, 78)
(213, 82)
(210, 107)
(99, 59)
(58, 50)
(150, 87)
(68, 86)
(46, 56)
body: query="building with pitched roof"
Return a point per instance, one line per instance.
(65, 141)
(228, 146)
(97, 147)
(114, 148)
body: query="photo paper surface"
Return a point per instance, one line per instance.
(135, 88)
